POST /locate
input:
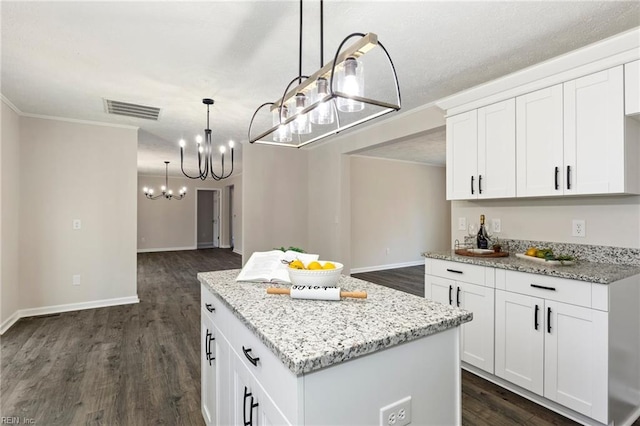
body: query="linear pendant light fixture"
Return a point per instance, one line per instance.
(205, 153)
(330, 100)
(166, 192)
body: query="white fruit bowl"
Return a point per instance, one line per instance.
(319, 277)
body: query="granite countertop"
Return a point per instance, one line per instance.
(307, 335)
(601, 273)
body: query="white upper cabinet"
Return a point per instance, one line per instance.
(462, 156)
(539, 144)
(481, 153)
(594, 140)
(632, 88)
(497, 150)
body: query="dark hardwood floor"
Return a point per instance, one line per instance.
(140, 364)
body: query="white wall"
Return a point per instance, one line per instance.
(9, 215)
(171, 224)
(68, 171)
(330, 215)
(610, 220)
(274, 198)
(398, 211)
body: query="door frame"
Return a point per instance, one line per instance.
(219, 191)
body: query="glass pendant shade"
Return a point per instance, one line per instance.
(302, 124)
(283, 132)
(323, 113)
(351, 83)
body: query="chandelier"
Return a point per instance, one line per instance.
(165, 191)
(205, 153)
(332, 99)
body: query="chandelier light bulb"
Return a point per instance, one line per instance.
(182, 143)
(301, 125)
(199, 139)
(145, 189)
(283, 132)
(323, 113)
(222, 149)
(163, 188)
(151, 192)
(231, 144)
(351, 83)
(200, 149)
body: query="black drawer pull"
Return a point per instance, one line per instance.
(542, 287)
(479, 184)
(450, 295)
(535, 318)
(549, 320)
(454, 271)
(207, 346)
(251, 359)
(253, 405)
(471, 185)
(557, 185)
(458, 297)
(210, 307)
(568, 177)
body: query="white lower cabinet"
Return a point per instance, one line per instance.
(476, 337)
(208, 369)
(554, 349)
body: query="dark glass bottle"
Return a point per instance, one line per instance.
(483, 242)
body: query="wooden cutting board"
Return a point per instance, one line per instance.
(465, 252)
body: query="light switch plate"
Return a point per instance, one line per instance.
(462, 224)
(496, 225)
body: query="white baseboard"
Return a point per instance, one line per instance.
(225, 246)
(387, 266)
(206, 246)
(152, 250)
(47, 310)
(6, 324)
(237, 252)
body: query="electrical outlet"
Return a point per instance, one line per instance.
(77, 224)
(76, 280)
(462, 224)
(496, 225)
(396, 414)
(579, 228)
(388, 250)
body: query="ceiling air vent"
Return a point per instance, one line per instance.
(131, 110)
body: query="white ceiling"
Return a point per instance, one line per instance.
(63, 58)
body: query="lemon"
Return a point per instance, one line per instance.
(532, 251)
(314, 265)
(329, 265)
(296, 264)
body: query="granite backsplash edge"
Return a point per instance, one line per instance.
(585, 252)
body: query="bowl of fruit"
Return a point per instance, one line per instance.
(322, 273)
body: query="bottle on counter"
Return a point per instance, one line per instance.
(483, 241)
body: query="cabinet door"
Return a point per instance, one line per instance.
(594, 149)
(477, 336)
(632, 88)
(520, 340)
(462, 156)
(539, 146)
(497, 150)
(576, 360)
(208, 370)
(441, 290)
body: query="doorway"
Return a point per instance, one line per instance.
(231, 216)
(208, 218)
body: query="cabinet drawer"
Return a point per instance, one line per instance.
(210, 305)
(551, 288)
(276, 379)
(465, 272)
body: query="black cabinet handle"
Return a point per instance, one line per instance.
(207, 346)
(479, 184)
(458, 297)
(251, 359)
(454, 271)
(451, 295)
(535, 318)
(253, 405)
(542, 287)
(568, 177)
(556, 178)
(471, 185)
(549, 320)
(210, 307)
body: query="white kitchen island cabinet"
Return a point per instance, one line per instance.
(308, 362)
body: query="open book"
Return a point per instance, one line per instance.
(269, 266)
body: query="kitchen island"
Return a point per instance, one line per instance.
(270, 359)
